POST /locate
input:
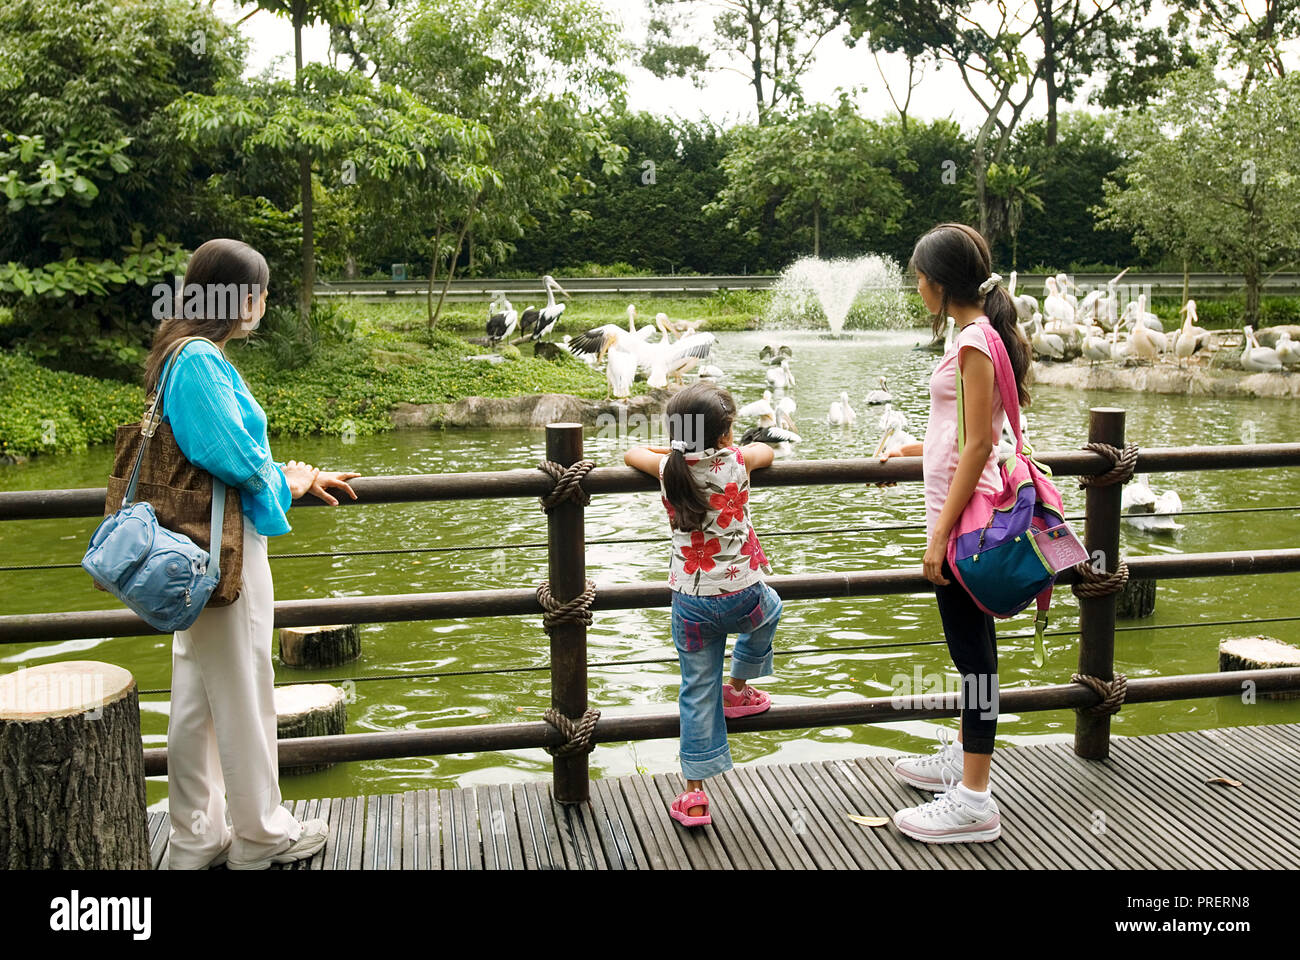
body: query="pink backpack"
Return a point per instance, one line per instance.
(1008, 548)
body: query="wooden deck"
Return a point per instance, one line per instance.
(1148, 806)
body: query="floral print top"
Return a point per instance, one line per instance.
(725, 556)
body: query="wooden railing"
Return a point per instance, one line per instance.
(567, 579)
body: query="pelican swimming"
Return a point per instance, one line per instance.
(779, 436)
(892, 418)
(879, 396)
(710, 372)
(502, 320)
(1141, 507)
(774, 353)
(781, 377)
(841, 414)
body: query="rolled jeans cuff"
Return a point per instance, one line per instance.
(701, 768)
(746, 669)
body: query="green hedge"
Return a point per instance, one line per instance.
(48, 411)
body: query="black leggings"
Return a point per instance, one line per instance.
(972, 644)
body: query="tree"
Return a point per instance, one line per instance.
(1211, 171)
(99, 188)
(822, 170)
(1251, 40)
(305, 13)
(774, 40)
(1010, 189)
(357, 132)
(540, 76)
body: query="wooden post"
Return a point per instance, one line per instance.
(567, 571)
(1097, 614)
(73, 795)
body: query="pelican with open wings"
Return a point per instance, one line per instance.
(662, 360)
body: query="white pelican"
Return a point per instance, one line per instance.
(543, 320)
(841, 414)
(1046, 344)
(1063, 282)
(1190, 337)
(760, 408)
(1026, 305)
(620, 371)
(1055, 305)
(892, 418)
(1288, 351)
(948, 330)
(710, 372)
(774, 353)
(785, 408)
(671, 358)
(781, 377)
(893, 440)
(1143, 342)
(879, 396)
(502, 319)
(778, 436)
(1120, 347)
(1141, 507)
(1096, 349)
(1257, 358)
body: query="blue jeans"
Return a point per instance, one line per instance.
(700, 628)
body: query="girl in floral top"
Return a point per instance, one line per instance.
(716, 574)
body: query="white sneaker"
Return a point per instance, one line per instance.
(948, 818)
(310, 842)
(927, 772)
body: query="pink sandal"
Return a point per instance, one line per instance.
(684, 802)
(746, 703)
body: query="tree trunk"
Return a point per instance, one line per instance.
(72, 764)
(304, 187)
(320, 646)
(310, 710)
(1049, 67)
(1259, 653)
(756, 63)
(1186, 277)
(817, 229)
(433, 273)
(455, 255)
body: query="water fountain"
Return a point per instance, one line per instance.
(870, 286)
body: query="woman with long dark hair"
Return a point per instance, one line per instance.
(221, 730)
(954, 277)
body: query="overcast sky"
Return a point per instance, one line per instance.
(726, 97)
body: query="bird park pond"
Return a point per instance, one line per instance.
(459, 672)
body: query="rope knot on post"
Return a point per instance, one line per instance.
(1092, 584)
(1122, 464)
(1111, 692)
(577, 735)
(568, 483)
(577, 610)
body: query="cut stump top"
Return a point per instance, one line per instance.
(1260, 649)
(305, 697)
(62, 689)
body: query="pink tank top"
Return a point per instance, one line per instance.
(939, 453)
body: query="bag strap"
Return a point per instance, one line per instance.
(153, 416)
(1005, 378)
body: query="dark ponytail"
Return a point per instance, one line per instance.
(955, 257)
(698, 416)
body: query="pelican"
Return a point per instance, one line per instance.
(1026, 305)
(892, 418)
(841, 414)
(1055, 305)
(1046, 344)
(894, 439)
(948, 334)
(774, 353)
(1120, 347)
(1096, 349)
(543, 320)
(670, 358)
(1257, 358)
(1142, 508)
(1288, 351)
(1190, 337)
(781, 377)
(711, 372)
(501, 321)
(778, 436)
(1062, 282)
(879, 396)
(1150, 320)
(598, 341)
(1143, 342)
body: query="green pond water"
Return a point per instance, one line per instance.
(460, 650)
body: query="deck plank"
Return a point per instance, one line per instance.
(1159, 813)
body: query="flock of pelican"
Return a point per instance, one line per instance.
(1096, 329)
(625, 351)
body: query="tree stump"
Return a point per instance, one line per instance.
(72, 788)
(1137, 599)
(326, 646)
(545, 350)
(1259, 653)
(310, 710)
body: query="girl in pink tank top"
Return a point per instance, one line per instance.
(954, 276)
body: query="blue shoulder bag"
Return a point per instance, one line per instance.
(161, 575)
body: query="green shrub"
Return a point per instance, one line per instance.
(49, 411)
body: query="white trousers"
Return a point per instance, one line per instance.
(221, 734)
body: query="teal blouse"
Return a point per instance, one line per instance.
(222, 429)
